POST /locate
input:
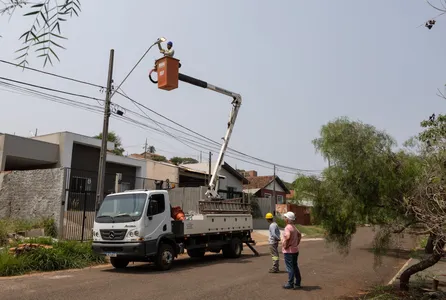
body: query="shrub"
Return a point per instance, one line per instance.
(63, 255)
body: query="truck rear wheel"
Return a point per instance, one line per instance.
(164, 258)
(119, 263)
(233, 249)
(196, 253)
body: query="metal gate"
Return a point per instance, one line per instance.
(80, 191)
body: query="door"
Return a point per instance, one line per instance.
(157, 217)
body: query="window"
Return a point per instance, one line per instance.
(157, 205)
(267, 195)
(280, 199)
(80, 184)
(230, 192)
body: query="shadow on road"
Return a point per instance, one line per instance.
(395, 253)
(311, 288)
(185, 264)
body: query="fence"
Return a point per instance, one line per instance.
(261, 206)
(187, 197)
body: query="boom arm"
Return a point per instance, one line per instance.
(212, 191)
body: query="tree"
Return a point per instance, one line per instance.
(183, 160)
(428, 201)
(45, 33)
(366, 182)
(114, 138)
(157, 157)
(151, 149)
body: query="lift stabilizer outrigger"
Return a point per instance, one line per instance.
(212, 191)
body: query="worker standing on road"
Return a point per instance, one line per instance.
(274, 238)
(290, 248)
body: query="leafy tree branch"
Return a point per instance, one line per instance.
(45, 33)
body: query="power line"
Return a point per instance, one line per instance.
(51, 89)
(151, 110)
(53, 74)
(98, 109)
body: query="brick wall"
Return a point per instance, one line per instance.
(32, 194)
(302, 213)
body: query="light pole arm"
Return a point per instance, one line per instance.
(212, 191)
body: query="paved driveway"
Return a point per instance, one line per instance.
(326, 275)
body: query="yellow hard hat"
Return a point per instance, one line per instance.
(269, 216)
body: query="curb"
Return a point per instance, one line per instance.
(400, 271)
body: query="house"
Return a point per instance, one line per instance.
(230, 183)
(77, 153)
(263, 187)
(56, 175)
(181, 176)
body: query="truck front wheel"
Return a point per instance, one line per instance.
(233, 249)
(119, 263)
(164, 258)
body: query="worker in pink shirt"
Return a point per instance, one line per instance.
(290, 249)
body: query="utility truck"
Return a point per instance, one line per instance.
(139, 225)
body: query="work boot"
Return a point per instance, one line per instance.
(273, 271)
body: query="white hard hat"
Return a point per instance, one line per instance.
(290, 216)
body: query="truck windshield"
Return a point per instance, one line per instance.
(121, 208)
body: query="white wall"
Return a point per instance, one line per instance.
(271, 187)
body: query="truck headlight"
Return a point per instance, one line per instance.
(133, 233)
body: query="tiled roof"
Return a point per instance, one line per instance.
(258, 182)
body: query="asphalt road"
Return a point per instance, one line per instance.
(326, 275)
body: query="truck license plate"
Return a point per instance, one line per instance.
(111, 254)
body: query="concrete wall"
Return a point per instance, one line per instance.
(161, 171)
(32, 194)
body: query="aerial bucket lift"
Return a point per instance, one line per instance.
(167, 69)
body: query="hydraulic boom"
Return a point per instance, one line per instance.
(212, 191)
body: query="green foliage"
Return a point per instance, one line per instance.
(151, 149)
(49, 225)
(63, 255)
(114, 138)
(158, 158)
(365, 182)
(8, 226)
(45, 33)
(183, 160)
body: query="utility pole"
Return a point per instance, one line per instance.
(35, 133)
(103, 157)
(274, 190)
(145, 150)
(201, 153)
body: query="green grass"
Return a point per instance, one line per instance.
(64, 255)
(8, 226)
(310, 231)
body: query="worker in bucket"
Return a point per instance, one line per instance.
(169, 51)
(290, 249)
(274, 238)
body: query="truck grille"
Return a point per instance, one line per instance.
(113, 234)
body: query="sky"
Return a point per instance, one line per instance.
(297, 64)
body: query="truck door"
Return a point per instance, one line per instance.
(158, 217)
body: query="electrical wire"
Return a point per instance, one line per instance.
(51, 89)
(156, 113)
(52, 74)
(131, 71)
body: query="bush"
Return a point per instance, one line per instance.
(63, 255)
(19, 225)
